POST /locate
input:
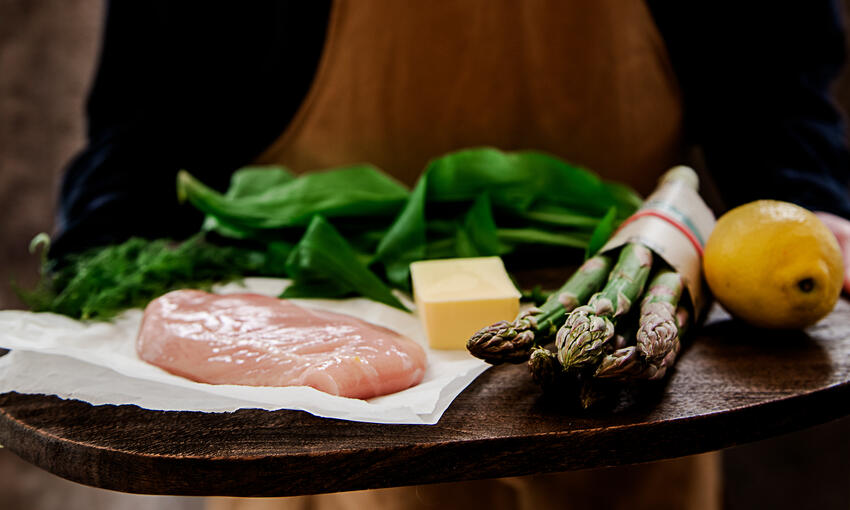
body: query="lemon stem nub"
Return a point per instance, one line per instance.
(806, 284)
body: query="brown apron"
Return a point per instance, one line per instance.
(587, 80)
(402, 82)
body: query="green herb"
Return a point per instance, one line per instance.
(521, 185)
(324, 265)
(349, 231)
(273, 202)
(602, 232)
(100, 283)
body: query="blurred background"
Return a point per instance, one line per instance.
(48, 50)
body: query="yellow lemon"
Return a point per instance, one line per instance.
(774, 265)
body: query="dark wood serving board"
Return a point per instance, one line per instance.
(731, 385)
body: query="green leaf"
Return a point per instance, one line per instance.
(277, 253)
(324, 263)
(480, 228)
(516, 180)
(406, 240)
(246, 182)
(602, 233)
(537, 236)
(477, 236)
(351, 191)
(473, 202)
(444, 248)
(558, 216)
(252, 181)
(464, 247)
(520, 184)
(319, 289)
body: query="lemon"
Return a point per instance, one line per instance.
(774, 264)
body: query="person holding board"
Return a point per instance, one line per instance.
(627, 89)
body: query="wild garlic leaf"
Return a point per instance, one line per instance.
(324, 260)
(359, 190)
(602, 233)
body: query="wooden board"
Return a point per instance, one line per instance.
(731, 385)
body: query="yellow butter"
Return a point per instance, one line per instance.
(457, 297)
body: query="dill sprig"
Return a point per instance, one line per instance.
(101, 282)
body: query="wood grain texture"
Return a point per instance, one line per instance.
(731, 385)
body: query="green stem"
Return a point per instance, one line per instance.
(625, 283)
(577, 290)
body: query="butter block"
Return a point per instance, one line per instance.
(457, 297)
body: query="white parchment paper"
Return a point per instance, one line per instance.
(96, 362)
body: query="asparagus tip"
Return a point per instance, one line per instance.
(504, 341)
(544, 367)
(582, 339)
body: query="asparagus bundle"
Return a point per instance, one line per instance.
(627, 363)
(604, 342)
(587, 330)
(661, 323)
(598, 344)
(513, 342)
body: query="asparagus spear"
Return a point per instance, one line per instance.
(512, 341)
(547, 371)
(624, 363)
(581, 340)
(657, 324)
(628, 363)
(544, 366)
(669, 359)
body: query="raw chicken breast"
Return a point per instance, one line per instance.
(258, 340)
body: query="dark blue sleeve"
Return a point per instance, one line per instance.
(194, 85)
(756, 80)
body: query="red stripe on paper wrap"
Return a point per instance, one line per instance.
(669, 219)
